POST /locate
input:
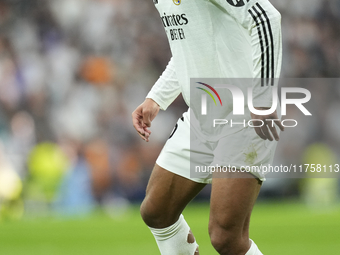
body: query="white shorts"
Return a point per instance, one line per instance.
(190, 157)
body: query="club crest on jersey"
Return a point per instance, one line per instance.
(237, 3)
(177, 2)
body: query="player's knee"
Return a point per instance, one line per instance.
(221, 241)
(226, 240)
(149, 214)
(156, 217)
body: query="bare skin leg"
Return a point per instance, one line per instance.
(232, 201)
(166, 197)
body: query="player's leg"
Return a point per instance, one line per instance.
(167, 195)
(232, 201)
(170, 190)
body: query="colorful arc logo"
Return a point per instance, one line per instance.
(177, 2)
(209, 93)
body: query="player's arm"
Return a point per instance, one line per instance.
(162, 94)
(263, 23)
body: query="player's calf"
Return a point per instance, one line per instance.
(231, 203)
(171, 231)
(167, 195)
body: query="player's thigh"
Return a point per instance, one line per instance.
(167, 194)
(231, 203)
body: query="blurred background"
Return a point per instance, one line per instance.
(71, 73)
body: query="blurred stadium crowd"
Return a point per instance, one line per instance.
(72, 71)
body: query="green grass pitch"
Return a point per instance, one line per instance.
(278, 229)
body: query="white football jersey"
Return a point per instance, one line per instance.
(219, 39)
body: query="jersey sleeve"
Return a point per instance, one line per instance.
(263, 23)
(167, 87)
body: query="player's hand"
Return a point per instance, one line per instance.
(143, 116)
(268, 130)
